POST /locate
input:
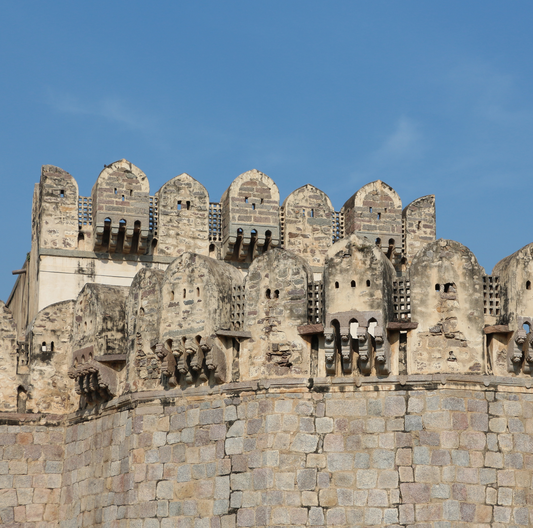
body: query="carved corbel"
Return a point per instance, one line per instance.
(346, 350)
(128, 238)
(98, 236)
(382, 354)
(330, 351)
(197, 358)
(515, 351)
(364, 350)
(215, 360)
(143, 242)
(160, 351)
(528, 354)
(244, 246)
(113, 239)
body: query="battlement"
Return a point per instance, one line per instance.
(133, 299)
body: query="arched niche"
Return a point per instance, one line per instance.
(50, 347)
(183, 217)
(447, 303)
(276, 290)
(250, 216)
(358, 276)
(373, 211)
(420, 225)
(308, 215)
(56, 208)
(121, 193)
(143, 316)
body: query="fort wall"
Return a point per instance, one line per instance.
(249, 456)
(167, 361)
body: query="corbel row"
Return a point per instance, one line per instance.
(372, 350)
(192, 359)
(249, 240)
(94, 380)
(520, 348)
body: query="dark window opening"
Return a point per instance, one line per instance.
(184, 293)
(268, 294)
(136, 235)
(276, 294)
(253, 206)
(312, 213)
(121, 235)
(52, 346)
(123, 198)
(211, 248)
(22, 396)
(370, 209)
(391, 241)
(336, 285)
(188, 204)
(353, 284)
(107, 233)
(378, 241)
(379, 216)
(246, 199)
(131, 192)
(449, 287)
(197, 292)
(437, 287)
(141, 312)
(116, 191)
(172, 295)
(368, 283)
(179, 205)
(62, 193)
(528, 285)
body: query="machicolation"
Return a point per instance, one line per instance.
(168, 361)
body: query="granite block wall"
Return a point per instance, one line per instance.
(419, 458)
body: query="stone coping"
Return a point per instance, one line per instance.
(76, 253)
(278, 385)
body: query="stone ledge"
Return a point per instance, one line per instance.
(234, 333)
(496, 329)
(311, 329)
(76, 253)
(398, 325)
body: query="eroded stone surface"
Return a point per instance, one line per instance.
(240, 364)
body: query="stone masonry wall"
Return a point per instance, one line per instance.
(31, 467)
(424, 458)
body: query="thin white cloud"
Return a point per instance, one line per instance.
(486, 93)
(404, 143)
(112, 109)
(403, 146)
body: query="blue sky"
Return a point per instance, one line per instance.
(430, 97)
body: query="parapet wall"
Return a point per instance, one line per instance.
(409, 456)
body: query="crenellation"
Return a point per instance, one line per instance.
(241, 363)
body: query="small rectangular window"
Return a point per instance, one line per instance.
(62, 193)
(179, 205)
